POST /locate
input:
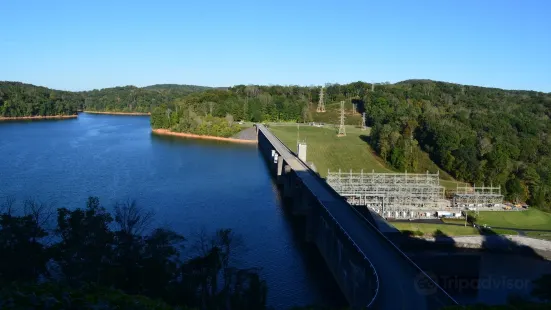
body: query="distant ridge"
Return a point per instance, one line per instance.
(182, 87)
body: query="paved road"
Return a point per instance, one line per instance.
(402, 284)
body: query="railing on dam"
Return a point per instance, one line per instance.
(375, 290)
(396, 275)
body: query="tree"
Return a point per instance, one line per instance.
(131, 219)
(229, 119)
(85, 247)
(95, 257)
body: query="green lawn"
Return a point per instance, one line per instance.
(430, 229)
(539, 234)
(328, 151)
(454, 220)
(498, 231)
(529, 219)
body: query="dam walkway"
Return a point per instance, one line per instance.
(399, 282)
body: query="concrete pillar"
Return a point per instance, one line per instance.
(301, 150)
(279, 166)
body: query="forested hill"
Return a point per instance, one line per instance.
(134, 99)
(19, 99)
(181, 87)
(479, 135)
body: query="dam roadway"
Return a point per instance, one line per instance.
(401, 284)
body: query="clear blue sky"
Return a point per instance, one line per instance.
(79, 45)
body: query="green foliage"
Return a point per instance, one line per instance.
(18, 99)
(55, 296)
(94, 250)
(134, 99)
(179, 87)
(479, 135)
(183, 119)
(472, 218)
(206, 112)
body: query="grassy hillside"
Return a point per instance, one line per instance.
(327, 151)
(530, 219)
(332, 114)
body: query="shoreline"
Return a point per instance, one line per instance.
(119, 113)
(165, 132)
(36, 117)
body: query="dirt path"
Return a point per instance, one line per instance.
(246, 134)
(194, 136)
(117, 113)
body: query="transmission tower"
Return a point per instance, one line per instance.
(342, 129)
(321, 103)
(364, 127)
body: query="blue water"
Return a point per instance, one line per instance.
(191, 185)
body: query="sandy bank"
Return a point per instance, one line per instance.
(194, 136)
(37, 117)
(117, 113)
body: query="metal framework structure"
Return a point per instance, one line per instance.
(321, 103)
(391, 194)
(342, 129)
(485, 196)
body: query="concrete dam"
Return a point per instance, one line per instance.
(370, 270)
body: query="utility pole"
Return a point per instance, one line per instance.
(321, 103)
(364, 127)
(342, 129)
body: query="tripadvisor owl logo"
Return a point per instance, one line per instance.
(424, 285)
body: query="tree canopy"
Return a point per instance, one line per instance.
(476, 134)
(89, 254)
(19, 99)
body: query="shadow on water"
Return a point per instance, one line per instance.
(319, 274)
(315, 265)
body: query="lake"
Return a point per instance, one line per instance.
(192, 185)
